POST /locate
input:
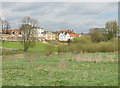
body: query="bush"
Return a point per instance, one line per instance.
(106, 47)
(91, 48)
(49, 49)
(62, 48)
(115, 43)
(84, 44)
(72, 48)
(78, 47)
(98, 37)
(82, 40)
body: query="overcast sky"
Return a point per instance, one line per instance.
(55, 16)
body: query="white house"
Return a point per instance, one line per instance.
(64, 37)
(39, 32)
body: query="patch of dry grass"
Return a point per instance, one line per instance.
(95, 59)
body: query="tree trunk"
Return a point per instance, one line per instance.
(25, 49)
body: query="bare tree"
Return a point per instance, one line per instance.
(4, 25)
(28, 30)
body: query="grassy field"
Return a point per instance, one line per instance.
(36, 69)
(39, 46)
(59, 70)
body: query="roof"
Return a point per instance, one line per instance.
(15, 30)
(72, 35)
(77, 34)
(62, 31)
(68, 31)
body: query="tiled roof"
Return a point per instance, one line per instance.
(15, 30)
(62, 31)
(72, 35)
(77, 34)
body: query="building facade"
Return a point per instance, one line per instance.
(66, 35)
(50, 36)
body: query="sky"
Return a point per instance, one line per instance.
(56, 16)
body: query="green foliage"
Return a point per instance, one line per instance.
(110, 35)
(62, 48)
(85, 45)
(112, 29)
(82, 40)
(91, 48)
(98, 34)
(104, 34)
(106, 47)
(78, 44)
(75, 48)
(115, 42)
(97, 37)
(49, 49)
(28, 45)
(72, 48)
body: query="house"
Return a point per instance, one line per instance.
(77, 35)
(43, 36)
(50, 36)
(15, 32)
(56, 35)
(46, 35)
(72, 36)
(66, 35)
(68, 31)
(39, 32)
(63, 36)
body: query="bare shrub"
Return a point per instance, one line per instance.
(49, 49)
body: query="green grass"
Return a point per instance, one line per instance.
(9, 52)
(58, 70)
(38, 47)
(13, 45)
(33, 68)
